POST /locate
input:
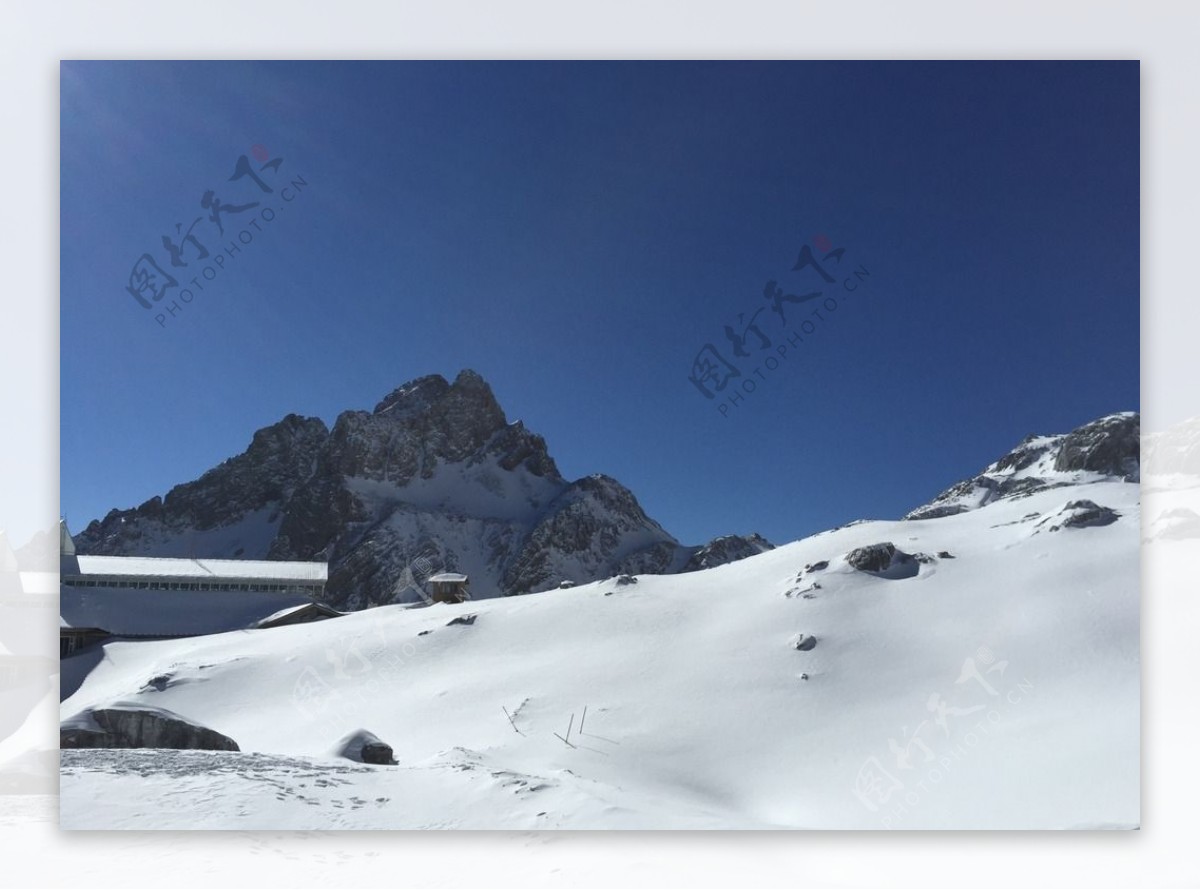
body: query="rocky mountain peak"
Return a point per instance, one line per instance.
(434, 477)
(1107, 448)
(414, 396)
(426, 393)
(290, 432)
(1110, 445)
(278, 461)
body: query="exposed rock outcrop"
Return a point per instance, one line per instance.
(1105, 449)
(365, 747)
(1078, 514)
(129, 725)
(885, 560)
(873, 557)
(726, 549)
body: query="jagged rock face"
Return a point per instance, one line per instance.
(134, 727)
(428, 422)
(592, 521)
(1107, 448)
(726, 549)
(316, 521)
(662, 558)
(434, 479)
(1028, 451)
(266, 475)
(1110, 445)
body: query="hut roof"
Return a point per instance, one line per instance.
(294, 613)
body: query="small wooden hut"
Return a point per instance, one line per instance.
(449, 587)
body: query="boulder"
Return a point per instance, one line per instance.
(365, 747)
(804, 642)
(873, 557)
(131, 725)
(1080, 514)
(1085, 513)
(885, 561)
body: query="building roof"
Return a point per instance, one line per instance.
(282, 616)
(448, 577)
(66, 544)
(246, 569)
(169, 613)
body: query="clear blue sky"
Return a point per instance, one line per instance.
(576, 233)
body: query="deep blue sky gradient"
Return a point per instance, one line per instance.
(576, 232)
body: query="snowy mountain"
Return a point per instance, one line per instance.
(977, 669)
(1103, 449)
(435, 478)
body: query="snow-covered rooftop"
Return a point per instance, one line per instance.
(319, 608)
(159, 567)
(448, 577)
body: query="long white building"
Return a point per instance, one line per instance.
(155, 597)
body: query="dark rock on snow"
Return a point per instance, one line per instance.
(1080, 514)
(804, 642)
(886, 561)
(873, 557)
(365, 747)
(726, 549)
(123, 725)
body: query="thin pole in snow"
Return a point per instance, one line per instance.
(510, 719)
(582, 719)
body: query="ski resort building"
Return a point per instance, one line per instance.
(155, 597)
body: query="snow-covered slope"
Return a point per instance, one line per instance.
(986, 677)
(435, 478)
